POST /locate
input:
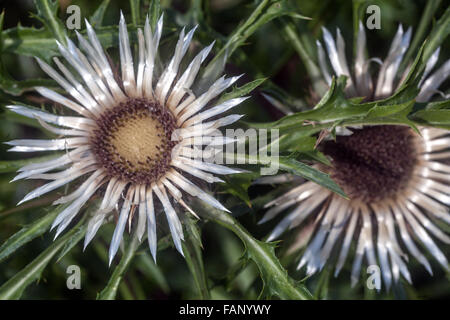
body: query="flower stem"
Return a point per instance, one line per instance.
(276, 280)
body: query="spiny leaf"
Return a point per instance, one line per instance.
(335, 110)
(96, 19)
(192, 249)
(241, 91)
(291, 165)
(276, 280)
(440, 117)
(310, 173)
(40, 43)
(438, 34)
(28, 233)
(47, 12)
(14, 287)
(409, 88)
(296, 143)
(264, 12)
(3, 73)
(30, 41)
(2, 20)
(238, 185)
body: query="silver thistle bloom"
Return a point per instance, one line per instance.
(360, 82)
(398, 182)
(131, 139)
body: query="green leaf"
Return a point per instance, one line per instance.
(148, 267)
(192, 249)
(264, 12)
(425, 20)
(293, 35)
(436, 105)
(154, 12)
(17, 88)
(30, 41)
(96, 19)
(438, 34)
(135, 9)
(2, 20)
(14, 165)
(3, 73)
(379, 111)
(276, 280)
(110, 291)
(358, 8)
(73, 241)
(41, 43)
(310, 173)
(409, 88)
(28, 233)
(238, 184)
(434, 117)
(296, 142)
(47, 12)
(14, 287)
(290, 165)
(241, 91)
(335, 110)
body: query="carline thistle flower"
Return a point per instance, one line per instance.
(133, 137)
(397, 181)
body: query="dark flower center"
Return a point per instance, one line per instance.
(373, 163)
(133, 140)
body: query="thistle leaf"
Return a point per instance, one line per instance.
(28, 233)
(276, 280)
(310, 173)
(96, 19)
(241, 91)
(47, 12)
(14, 287)
(192, 249)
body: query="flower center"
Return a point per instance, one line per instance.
(373, 163)
(133, 140)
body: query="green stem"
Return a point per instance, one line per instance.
(110, 291)
(262, 254)
(241, 34)
(135, 6)
(427, 16)
(314, 72)
(193, 254)
(437, 36)
(194, 260)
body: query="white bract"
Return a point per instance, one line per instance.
(98, 94)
